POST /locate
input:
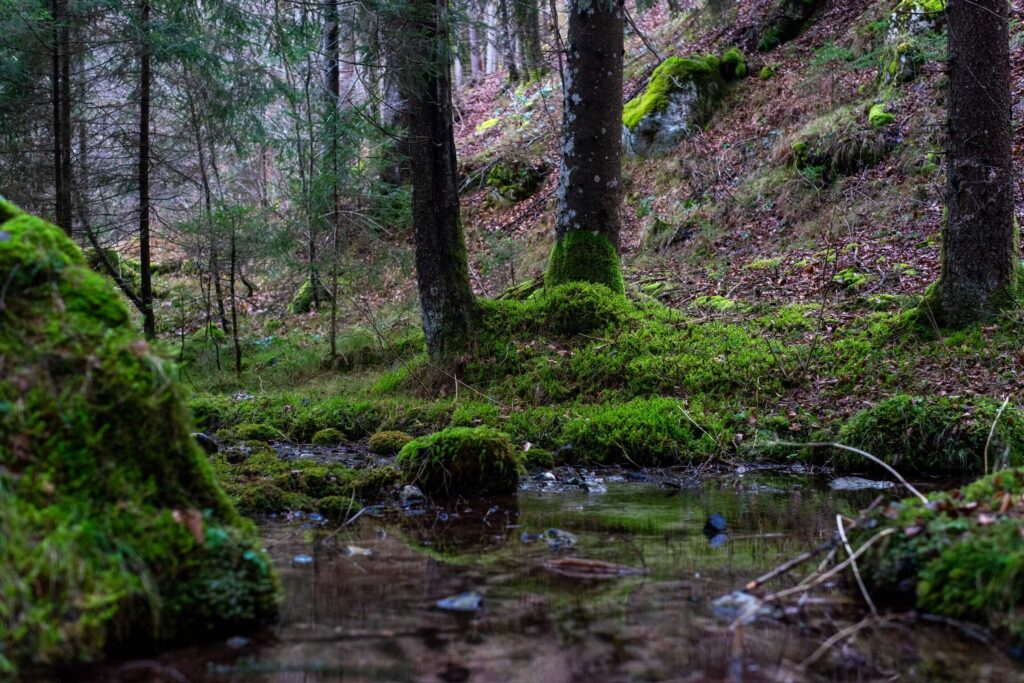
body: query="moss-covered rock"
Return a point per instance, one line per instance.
(461, 462)
(114, 530)
(878, 117)
(679, 99)
(388, 442)
(584, 256)
(960, 555)
(784, 22)
(515, 180)
(841, 142)
(302, 302)
(328, 437)
(537, 458)
(917, 17)
(918, 434)
(251, 431)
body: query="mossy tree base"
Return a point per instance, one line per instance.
(582, 256)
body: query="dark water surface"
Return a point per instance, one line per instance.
(350, 616)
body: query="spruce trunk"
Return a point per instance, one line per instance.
(590, 192)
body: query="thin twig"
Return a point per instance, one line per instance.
(854, 567)
(992, 431)
(877, 461)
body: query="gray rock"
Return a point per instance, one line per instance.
(858, 484)
(207, 443)
(659, 132)
(463, 602)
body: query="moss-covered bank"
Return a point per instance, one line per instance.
(113, 532)
(960, 555)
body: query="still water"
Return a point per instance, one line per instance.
(361, 600)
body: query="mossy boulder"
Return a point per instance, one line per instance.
(784, 22)
(680, 98)
(842, 142)
(115, 533)
(388, 442)
(878, 117)
(461, 462)
(917, 17)
(927, 434)
(251, 431)
(537, 458)
(302, 302)
(911, 40)
(516, 180)
(328, 437)
(960, 555)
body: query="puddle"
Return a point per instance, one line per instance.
(362, 603)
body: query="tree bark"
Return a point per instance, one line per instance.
(442, 269)
(980, 254)
(61, 96)
(507, 37)
(473, 19)
(587, 221)
(145, 271)
(527, 20)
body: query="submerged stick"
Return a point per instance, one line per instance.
(856, 569)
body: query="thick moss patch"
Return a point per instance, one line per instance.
(582, 256)
(388, 442)
(114, 529)
(841, 142)
(961, 555)
(673, 74)
(461, 462)
(928, 434)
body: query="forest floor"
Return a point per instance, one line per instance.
(810, 280)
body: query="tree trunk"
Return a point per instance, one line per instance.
(980, 256)
(590, 193)
(442, 270)
(234, 302)
(473, 17)
(490, 37)
(60, 95)
(145, 273)
(527, 19)
(507, 37)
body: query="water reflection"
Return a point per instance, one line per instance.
(372, 615)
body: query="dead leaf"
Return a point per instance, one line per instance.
(193, 521)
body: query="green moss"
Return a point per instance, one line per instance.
(328, 437)
(130, 537)
(674, 73)
(389, 442)
(251, 431)
(929, 434)
(302, 302)
(583, 256)
(538, 458)
(642, 432)
(878, 117)
(768, 71)
(516, 180)
(917, 16)
(785, 22)
(461, 461)
(961, 555)
(733, 64)
(838, 143)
